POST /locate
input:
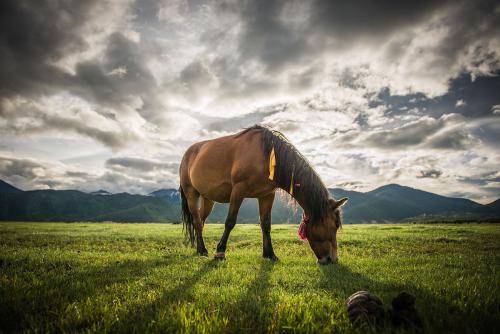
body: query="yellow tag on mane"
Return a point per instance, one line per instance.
(272, 164)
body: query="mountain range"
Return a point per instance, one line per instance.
(389, 203)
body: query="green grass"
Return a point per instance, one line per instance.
(57, 277)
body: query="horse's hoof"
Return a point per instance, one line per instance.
(273, 258)
(220, 256)
(205, 253)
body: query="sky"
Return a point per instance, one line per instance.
(109, 94)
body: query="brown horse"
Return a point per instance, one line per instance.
(253, 164)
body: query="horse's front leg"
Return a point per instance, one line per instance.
(265, 207)
(232, 215)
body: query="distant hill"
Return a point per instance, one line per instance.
(8, 188)
(495, 205)
(172, 195)
(394, 202)
(72, 205)
(390, 203)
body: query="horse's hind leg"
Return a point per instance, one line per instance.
(205, 209)
(232, 215)
(265, 207)
(192, 198)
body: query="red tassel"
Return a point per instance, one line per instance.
(302, 232)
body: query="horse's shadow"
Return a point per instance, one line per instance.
(255, 303)
(145, 314)
(241, 312)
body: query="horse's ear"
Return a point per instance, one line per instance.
(342, 201)
(333, 204)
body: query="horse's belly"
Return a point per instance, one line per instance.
(221, 193)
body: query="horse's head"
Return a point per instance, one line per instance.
(323, 236)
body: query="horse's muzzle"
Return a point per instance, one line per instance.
(327, 260)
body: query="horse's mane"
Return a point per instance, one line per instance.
(289, 161)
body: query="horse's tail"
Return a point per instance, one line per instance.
(187, 219)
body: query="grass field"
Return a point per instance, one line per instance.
(57, 277)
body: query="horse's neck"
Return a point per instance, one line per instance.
(306, 203)
(300, 198)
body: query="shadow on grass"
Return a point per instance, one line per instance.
(254, 305)
(438, 314)
(41, 292)
(145, 316)
(174, 309)
(42, 298)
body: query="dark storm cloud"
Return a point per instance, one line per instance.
(473, 21)
(268, 39)
(95, 81)
(34, 34)
(319, 25)
(350, 20)
(288, 37)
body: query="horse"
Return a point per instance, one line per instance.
(255, 163)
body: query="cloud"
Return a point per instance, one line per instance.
(93, 82)
(143, 165)
(221, 55)
(20, 168)
(447, 132)
(38, 39)
(495, 109)
(431, 173)
(31, 173)
(30, 118)
(424, 41)
(481, 179)
(120, 174)
(150, 172)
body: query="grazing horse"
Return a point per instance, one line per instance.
(253, 164)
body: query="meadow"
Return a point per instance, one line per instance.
(105, 277)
